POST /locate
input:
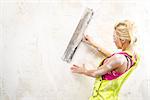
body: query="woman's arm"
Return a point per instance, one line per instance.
(83, 70)
(113, 63)
(87, 39)
(101, 49)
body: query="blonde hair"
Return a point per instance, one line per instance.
(126, 32)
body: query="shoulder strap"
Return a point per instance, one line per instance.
(131, 58)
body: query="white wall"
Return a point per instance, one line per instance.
(35, 33)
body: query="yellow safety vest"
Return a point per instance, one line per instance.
(109, 89)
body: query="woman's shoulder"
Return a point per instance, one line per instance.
(118, 58)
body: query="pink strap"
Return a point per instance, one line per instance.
(112, 75)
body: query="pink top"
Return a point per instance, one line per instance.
(113, 74)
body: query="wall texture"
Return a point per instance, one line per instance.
(35, 33)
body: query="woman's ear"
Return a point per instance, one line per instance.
(125, 44)
(123, 41)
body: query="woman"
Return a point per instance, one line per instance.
(116, 67)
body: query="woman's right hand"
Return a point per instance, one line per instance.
(87, 39)
(78, 69)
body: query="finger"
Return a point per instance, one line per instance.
(87, 36)
(74, 69)
(84, 39)
(74, 72)
(76, 65)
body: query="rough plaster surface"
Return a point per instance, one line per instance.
(34, 35)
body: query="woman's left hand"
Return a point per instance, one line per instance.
(78, 69)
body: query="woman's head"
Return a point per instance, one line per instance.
(123, 34)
